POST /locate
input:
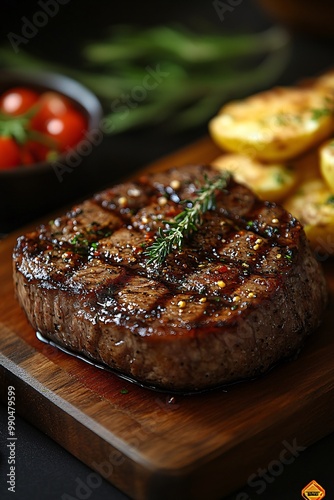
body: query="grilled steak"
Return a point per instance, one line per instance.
(243, 293)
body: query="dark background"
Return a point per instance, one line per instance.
(46, 471)
(80, 21)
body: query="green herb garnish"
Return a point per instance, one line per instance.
(187, 221)
(330, 200)
(18, 127)
(327, 110)
(167, 73)
(320, 113)
(285, 119)
(81, 245)
(279, 178)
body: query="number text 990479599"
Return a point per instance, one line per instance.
(11, 439)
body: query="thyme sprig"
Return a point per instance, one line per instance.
(186, 222)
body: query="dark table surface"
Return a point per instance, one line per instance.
(45, 470)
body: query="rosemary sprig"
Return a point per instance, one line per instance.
(187, 221)
(184, 77)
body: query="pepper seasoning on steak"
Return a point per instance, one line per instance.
(243, 292)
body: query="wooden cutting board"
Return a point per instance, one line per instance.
(152, 445)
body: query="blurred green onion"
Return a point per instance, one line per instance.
(203, 72)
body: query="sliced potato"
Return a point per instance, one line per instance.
(276, 125)
(310, 202)
(269, 182)
(321, 238)
(308, 166)
(313, 205)
(327, 163)
(325, 81)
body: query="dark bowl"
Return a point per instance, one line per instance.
(29, 191)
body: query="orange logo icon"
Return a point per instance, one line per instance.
(313, 490)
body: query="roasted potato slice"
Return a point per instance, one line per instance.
(269, 182)
(325, 81)
(313, 205)
(308, 166)
(327, 163)
(276, 125)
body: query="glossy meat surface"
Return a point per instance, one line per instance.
(244, 291)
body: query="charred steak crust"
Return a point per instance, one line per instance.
(243, 293)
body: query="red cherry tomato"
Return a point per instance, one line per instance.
(66, 130)
(27, 157)
(33, 152)
(55, 118)
(17, 100)
(9, 153)
(51, 105)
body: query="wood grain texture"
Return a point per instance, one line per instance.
(151, 446)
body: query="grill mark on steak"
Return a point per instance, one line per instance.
(249, 283)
